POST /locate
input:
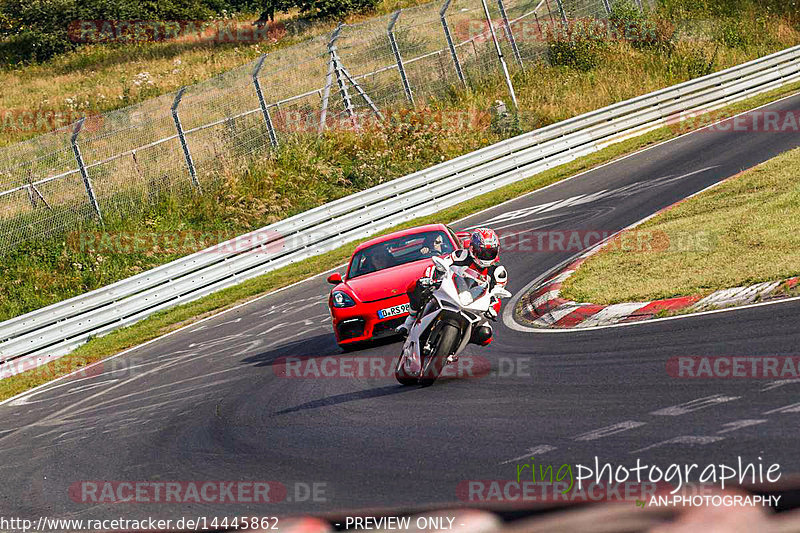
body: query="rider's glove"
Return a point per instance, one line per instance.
(426, 283)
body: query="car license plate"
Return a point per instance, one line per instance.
(393, 311)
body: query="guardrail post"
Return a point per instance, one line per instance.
(187, 155)
(562, 13)
(641, 6)
(449, 37)
(273, 139)
(607, 6)
(340, 79)
(500, 55)
(511, 38)
(399, 58)
(84, 173)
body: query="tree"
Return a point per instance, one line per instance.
(328, 8)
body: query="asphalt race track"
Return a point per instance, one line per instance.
(207, 403)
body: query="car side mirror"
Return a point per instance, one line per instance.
(335, 278)
(465, 243)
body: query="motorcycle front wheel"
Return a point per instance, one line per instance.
(445, 345)
(400, 373)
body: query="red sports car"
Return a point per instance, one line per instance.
(371, 301)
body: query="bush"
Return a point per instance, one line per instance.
(732, 33)
(35, 30)
(730, 8)
(690, 64)
(30, 45)
(630, 24)
(332, 8)
(579, 46)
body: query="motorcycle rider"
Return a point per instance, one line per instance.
(482, 255)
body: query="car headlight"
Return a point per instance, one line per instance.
(342, 299)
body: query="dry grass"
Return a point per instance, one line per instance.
(300, 175)
(739, 233)
(101, 77)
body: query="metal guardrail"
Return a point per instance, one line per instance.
(105, 168)
(36, 338)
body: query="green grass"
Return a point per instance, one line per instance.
(242, 195)
(172, 319)
(740, 233)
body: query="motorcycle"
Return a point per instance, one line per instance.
(457, 304)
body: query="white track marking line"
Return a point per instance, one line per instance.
(689, 440)
(609, 430)
(739, 424)
(694, 405)
(72, 409)
(791, 408)
(779, 383)
(171, 333)
(536, 450)
(516, 198)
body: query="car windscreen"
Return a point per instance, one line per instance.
(399, 251)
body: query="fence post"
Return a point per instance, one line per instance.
(84, 173)
(29, 188)
(562, 13)
(182, 137)
(456, 62)
(511, 38)
(500, 55)
(361, 92)
(31, 198)
(607, 6)
(340, 79)
(399, 58)
(326, 94)
(273, 139)
(641, 6)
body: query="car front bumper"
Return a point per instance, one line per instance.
(361, 323)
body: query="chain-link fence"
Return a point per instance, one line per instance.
(113, 164)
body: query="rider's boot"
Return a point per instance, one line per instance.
(405, 327)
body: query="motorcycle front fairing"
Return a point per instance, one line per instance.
(461, 299)
(474, 298)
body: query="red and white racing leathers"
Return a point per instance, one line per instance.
(495, 274)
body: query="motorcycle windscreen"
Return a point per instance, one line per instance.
(469, 288)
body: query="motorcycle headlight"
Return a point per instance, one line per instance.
(465, 297)
(342, 299)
